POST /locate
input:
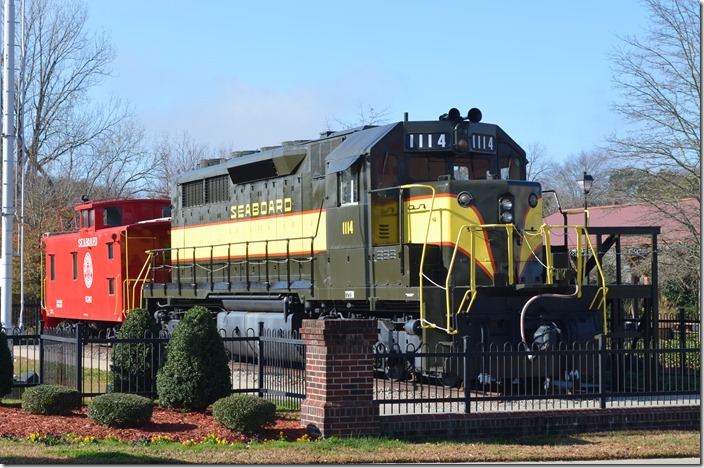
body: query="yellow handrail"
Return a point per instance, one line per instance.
(544, 230)
(471, 228)
(423, 321)
(42, 275)
(140, 279)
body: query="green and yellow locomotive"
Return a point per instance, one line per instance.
(428, 226)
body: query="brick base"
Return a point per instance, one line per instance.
(341, 420)
(339, 378)
(512, 424)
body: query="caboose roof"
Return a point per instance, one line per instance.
(103, 202)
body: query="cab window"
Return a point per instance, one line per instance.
(472, 168)
(349, 185)
(510, 168)
(385, 172)
(426, 168)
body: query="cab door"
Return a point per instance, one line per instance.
(348, 244)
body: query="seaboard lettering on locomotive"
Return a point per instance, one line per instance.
(430, 227)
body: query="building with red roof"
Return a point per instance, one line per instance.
(636, 215)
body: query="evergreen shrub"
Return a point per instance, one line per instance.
(134, 365)
(196, 371)
(6, 366)
(120, 410)
(50, 399)
(245, 414)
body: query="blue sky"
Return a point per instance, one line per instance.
(249, 74)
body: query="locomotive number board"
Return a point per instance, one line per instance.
(478, 142)
(482, 143)
(428, 141)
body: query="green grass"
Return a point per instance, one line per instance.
(538, 448)
(94, 380)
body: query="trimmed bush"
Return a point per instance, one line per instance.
(6, 366)
(134, 364)
(245, 414)
(196, 373)
(50, 400)
(120, 410)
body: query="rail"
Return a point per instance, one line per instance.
(250, 264)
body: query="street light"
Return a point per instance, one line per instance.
(585, 183)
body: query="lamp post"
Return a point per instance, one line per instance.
(585, 183)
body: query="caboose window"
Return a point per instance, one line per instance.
(112, 216)
(52, 268)
(111, 286)
(87, 218)
(111, 251)
(74, 263)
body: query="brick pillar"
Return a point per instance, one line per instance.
(340, 378)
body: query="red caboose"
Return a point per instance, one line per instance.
(95, 274)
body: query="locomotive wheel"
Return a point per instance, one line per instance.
(65, 326)
(396, 369)
(448, 379)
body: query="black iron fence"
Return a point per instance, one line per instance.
(604, 373)
(270, 364)
(598, 374)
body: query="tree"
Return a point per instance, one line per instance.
(659, 77)
(174, 156)
(539, 163)
(70, 146)
(369, 116)
(563, 179)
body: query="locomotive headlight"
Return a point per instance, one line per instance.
(533, 200)
(464, 199)
(506, 209)
(506, 204)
